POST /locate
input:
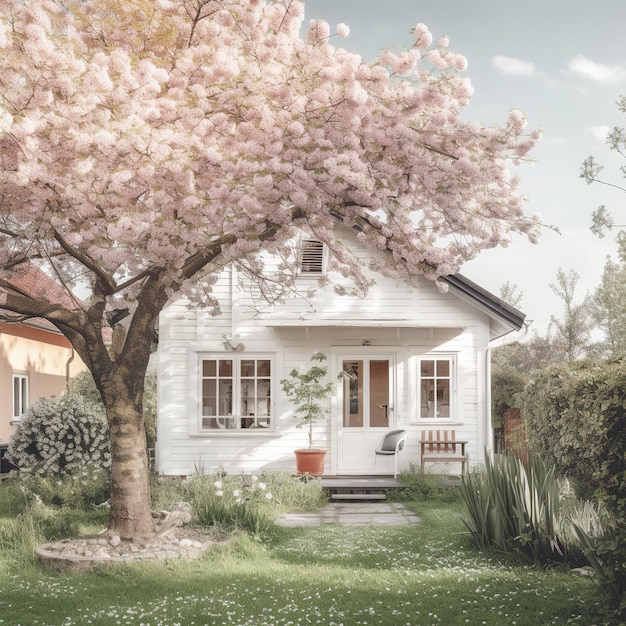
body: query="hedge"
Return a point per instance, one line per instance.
(576, 420)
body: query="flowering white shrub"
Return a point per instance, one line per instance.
(61, 436)
(230, 502)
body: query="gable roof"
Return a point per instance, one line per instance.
(493, 306)
(468, 290)
(32, 281)
(29, 280)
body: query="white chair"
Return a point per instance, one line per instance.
(390, 445)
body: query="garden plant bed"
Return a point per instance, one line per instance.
(87, 552)
(174, 539)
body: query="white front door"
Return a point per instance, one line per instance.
(365, 410)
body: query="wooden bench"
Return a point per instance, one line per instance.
(441, 446)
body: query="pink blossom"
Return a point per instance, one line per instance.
(343, 30)
(423, 37)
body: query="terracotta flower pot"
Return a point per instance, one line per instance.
(310, 461)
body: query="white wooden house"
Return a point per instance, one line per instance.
(414, 358)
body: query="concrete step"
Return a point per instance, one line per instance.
(358, 496)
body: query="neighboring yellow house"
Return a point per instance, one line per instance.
(36, 360)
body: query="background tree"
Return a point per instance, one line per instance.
(510, 294)
(608, 306)
(602, 219)
(146, 144)
(571, 333)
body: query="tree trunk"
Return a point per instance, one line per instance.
(130, 517)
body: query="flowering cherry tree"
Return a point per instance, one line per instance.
(145, 144)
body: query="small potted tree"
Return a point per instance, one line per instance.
(308, 394)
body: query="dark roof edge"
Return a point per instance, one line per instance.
(509, 314)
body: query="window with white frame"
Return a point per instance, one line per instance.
(435, 387)
(312, 257)
(20, 395)
(236, 392)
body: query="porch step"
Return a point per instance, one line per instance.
(358, 496)
(359, 487)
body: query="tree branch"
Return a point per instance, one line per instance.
(106, 280)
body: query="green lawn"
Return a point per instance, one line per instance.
(420, 575)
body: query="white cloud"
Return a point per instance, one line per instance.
(596, 71)
(598, 132)
(508, 65)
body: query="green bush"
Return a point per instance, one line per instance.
(81, 490)
(605, 551)
(425, 486)
(576, 418)
(507, 387)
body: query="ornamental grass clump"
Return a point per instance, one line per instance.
(524, 510)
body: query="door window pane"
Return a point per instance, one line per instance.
(379, 394)
(353, 394)
(366, 393)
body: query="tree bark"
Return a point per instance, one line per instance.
(131, 516)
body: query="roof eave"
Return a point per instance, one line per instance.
(494, 306)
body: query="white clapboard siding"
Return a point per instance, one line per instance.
(397, 319)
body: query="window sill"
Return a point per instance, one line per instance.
(250, 433)
(435, 421)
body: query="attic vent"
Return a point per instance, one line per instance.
(311, 257)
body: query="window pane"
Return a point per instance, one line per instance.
(225, 398)
(16, 397)
(427, 394)
(264, 394)
(226, 368)
(247, 391)
(443, 398)
(247, 368)
(209, 368)
(435, 385)
(219, 423)
(20, 395)
(254, 393)
(209, 397)
(427, 368)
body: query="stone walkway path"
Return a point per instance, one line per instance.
(353, 514)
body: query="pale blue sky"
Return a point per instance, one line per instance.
(563, 62)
